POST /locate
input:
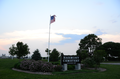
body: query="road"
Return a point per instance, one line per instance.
(112, 63)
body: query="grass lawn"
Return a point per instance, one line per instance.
(113, 72)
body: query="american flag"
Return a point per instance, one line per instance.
(52, 19)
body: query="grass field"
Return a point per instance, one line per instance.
(6, 72)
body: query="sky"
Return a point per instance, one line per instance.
(28, 21)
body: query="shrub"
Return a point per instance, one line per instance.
(25, 64)
(34, 66)
(43, 58)
(55, 63)
(71, 67)
(17, 65)
(58, 68)
(89, 62)
(46, 67)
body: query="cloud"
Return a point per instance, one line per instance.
(99, 32)
(110, 37)
(72, 35)
(39, 34)
(1, 48)
(118, 16)
(73, 31)
(112, 21)
(67, 48)
(99, 3)
(72, 38)
(63, 40)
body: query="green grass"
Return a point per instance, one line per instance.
(113, 72)
(75, 72)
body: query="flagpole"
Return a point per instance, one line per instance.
(49, 41)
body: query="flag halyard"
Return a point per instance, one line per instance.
(52, 19)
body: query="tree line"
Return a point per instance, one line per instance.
(89, 47)
(21, 50)
(92, 43)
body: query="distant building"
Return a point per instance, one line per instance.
(4, 56)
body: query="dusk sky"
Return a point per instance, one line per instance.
(28, 21)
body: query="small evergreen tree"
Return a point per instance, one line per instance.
(54, 55)
(36, 55)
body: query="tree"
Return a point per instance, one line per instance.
(20, 51)
(90, 43)
(112, 49)
(54, 55)
(82, 53)
(98, 56)
(36, 55)
(12, 50)
(48, 51)
(94, 61)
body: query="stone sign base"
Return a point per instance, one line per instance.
(77, 67)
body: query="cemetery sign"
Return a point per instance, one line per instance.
(70, 59)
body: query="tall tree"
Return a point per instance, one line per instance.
(90, 43)
(36, 55)
(112, 48)
(54, 55)
(20, 51)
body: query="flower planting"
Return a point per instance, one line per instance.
(36, 66)
(25, 64)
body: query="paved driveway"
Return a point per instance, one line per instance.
(112, 63)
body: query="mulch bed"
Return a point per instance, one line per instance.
(42, 73)
(49, 73)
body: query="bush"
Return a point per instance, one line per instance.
(46, 67)
(56, 63)
(17, 65)
(43, 58)
(88, 62)
(71, 67)
(34, 66)
(25, 64)
(58, 68)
